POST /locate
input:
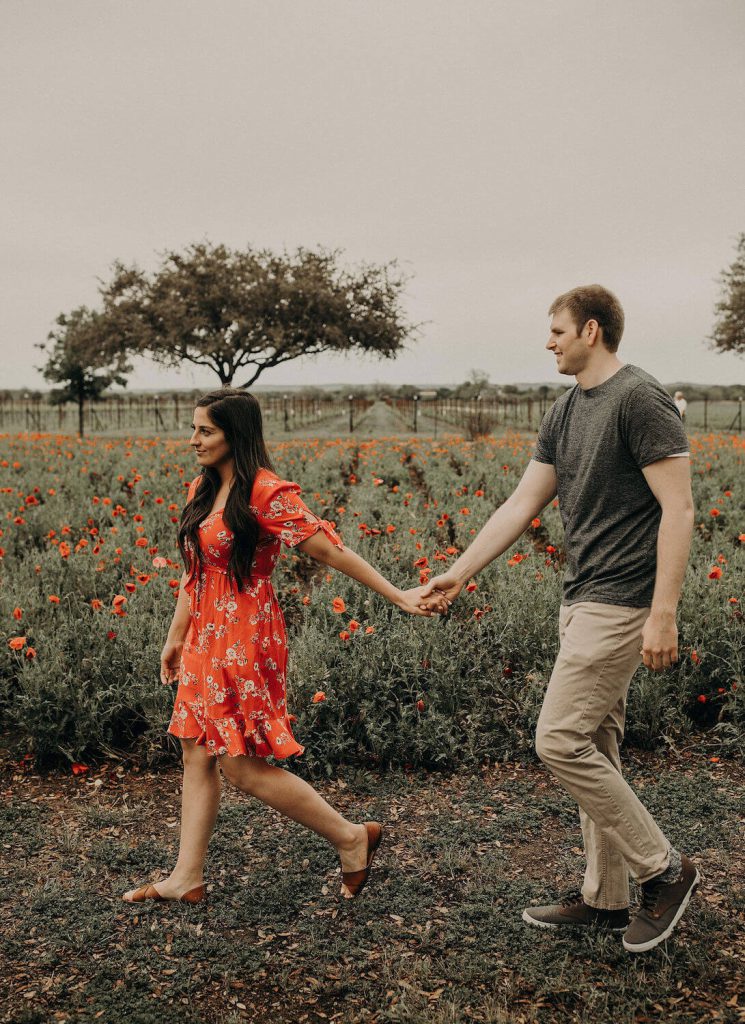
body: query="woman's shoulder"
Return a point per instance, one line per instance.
(193, 487)
(267, 485)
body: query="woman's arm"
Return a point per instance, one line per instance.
(344, 560)
(171, 653)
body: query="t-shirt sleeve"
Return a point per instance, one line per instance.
(653, 429)
(281, 511)
(545, 446)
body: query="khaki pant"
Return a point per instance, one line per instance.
(579, 732)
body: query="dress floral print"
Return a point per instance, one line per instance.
(231, 695)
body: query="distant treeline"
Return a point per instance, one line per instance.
(468, 389)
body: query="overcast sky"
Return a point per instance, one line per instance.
(502, 152)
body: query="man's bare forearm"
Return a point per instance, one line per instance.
(673, 546)
(504, 527)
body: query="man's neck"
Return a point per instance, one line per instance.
(598, 372)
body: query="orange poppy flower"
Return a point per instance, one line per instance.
(338, 605)
(319, 697)
(17, 643)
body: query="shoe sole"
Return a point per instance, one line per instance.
(643, 947)
(570, 924)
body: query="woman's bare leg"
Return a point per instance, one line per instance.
(294, 798)
(200, 801)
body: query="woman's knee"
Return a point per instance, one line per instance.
(248, 773)
(197, 756)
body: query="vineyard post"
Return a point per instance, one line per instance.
(284, 406)
(351, 413)
(416, 411)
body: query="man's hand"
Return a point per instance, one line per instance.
(660, 642)
(448, 584)
(412, 601)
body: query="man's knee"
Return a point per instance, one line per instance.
(554, 746)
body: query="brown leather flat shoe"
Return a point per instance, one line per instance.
(149, 892)
(355, 881)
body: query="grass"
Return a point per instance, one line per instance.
(437, 936)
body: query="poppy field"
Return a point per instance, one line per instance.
(90, 571)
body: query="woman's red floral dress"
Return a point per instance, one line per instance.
(231, 695)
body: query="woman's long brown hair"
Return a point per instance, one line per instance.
(238, 415)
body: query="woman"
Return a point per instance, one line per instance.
(227, 644)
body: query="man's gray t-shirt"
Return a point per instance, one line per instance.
(599, 440)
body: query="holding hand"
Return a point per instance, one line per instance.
(447, 586)
(412, 601)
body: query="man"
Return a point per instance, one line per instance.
(615, 451)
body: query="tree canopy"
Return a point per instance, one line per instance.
(252, 310)
(79, 361)
(729, 330)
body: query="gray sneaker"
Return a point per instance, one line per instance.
(573, 911)
(662, 906)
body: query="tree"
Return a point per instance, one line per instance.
(729, 330)
(80, 361)
(233, 309)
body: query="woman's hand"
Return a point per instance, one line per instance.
(411, 601)
(170, 658)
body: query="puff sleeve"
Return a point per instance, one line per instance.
(281, 512)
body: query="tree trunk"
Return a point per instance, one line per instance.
(81, 404)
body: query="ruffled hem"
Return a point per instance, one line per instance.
(231, 735)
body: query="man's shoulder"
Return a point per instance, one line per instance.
(635, 377)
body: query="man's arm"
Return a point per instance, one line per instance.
(670, 482)
(536, 488)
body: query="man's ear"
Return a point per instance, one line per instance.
(591, 332)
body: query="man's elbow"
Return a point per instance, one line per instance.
(681, 511)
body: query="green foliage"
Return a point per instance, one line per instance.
(729, 330)
(228, 310)
(82, 360)
(428, 693)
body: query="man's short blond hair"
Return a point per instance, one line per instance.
(593, 302)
